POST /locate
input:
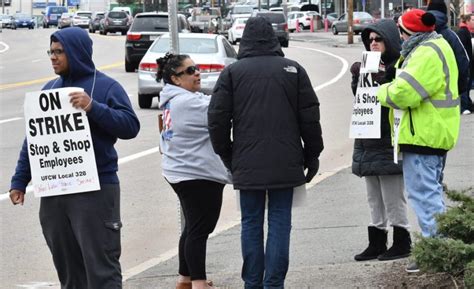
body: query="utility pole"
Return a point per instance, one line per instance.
(350, 13)
(174, 48)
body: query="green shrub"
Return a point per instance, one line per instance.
(469, 275)
(442, 255)
(458, 222)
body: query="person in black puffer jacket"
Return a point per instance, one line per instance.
(268, 104)
(373, 158)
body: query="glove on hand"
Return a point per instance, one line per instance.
(313, 167)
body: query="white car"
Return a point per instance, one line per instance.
(211, 53)
(304, 19)
(81, 19)
(235, 32)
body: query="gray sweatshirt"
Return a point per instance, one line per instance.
(185, 143)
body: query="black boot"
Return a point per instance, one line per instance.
(401, 247)
(377, 245)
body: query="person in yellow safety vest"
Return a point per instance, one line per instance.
(425, 117)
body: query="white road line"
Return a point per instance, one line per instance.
(5, 47)
(10, 119)
(343, 70)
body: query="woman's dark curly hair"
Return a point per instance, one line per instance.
(167, 66)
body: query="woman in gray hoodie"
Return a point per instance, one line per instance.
(189, 163)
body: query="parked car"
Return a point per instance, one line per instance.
(360, 21)
(81, 19)
(211, 53)
(94, 24)
(235, 32)
(5, 21)
(146, 27)
(204, 19)
(51, 15)
(280, 27)
(304, 19)
(115, 21)
(65, 20)
(23, 21)
(331, 17)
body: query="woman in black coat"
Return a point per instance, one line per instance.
(373, 158)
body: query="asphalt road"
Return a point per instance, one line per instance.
(149, 206)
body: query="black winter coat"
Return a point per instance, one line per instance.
(374, 157)
(269, 105)
(465, 37)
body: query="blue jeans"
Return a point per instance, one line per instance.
(422, 176)
(265, 268)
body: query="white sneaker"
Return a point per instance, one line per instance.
(466, 112)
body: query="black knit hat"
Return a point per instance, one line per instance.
(438, 5)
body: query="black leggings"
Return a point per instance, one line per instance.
(201, 201)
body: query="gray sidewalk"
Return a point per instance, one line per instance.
(326, 234)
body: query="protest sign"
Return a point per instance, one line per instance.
(366, 109)
(370, 61)
(60, 147)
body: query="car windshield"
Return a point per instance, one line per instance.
(360, 15)
(186, 45)
(22, 16)
(150, 23)
(57, 10)
(273, 17)
(85, 14)
(242, 10)
(118, 14)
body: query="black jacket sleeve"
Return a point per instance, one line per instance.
(220, 118)
(355, 68)
(309, 118)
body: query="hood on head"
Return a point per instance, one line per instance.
(259, 39)
(78, 48)
(388, 30)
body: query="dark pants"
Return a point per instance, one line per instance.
(265, 268)
(83, 233)
(201, 201)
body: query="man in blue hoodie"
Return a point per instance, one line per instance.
(83, 230)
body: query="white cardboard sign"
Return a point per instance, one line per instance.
(60, 146)
(370, 61)
(366, 110)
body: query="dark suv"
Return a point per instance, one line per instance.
(280, 27)
(51, 15)
(115, 21)
(147, 27)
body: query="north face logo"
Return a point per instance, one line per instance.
(290, 69)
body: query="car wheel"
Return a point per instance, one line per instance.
(285, 43)
(144, 101)
(124, 32)
(356, 32)
(334, 30)
(129, 67)
(105, 31)
(301, 26)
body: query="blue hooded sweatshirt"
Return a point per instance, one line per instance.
(110, 117)
(462, 59)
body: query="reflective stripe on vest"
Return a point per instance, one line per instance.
(449, 101)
